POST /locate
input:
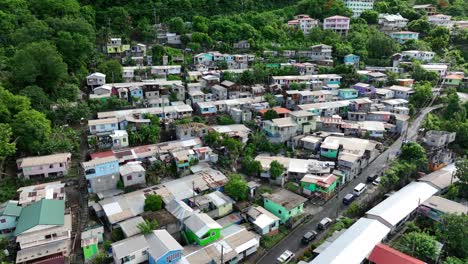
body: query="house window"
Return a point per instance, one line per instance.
(279, 212)
(61, 164)
(2, 220)
(129, 177)
(51, 166)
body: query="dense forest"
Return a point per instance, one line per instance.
(48, 47)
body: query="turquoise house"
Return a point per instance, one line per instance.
(402, 36)
(349, 93)
(351, 59)
(136, 92)
(284, 204)
(322, 185)
(9, 213)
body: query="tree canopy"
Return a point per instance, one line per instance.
(236, 187)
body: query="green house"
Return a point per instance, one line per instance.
(323, 185)
(202, 229)
(9, 213)
(42, 213)
(348, 93)
(284, 204)
(329, 149)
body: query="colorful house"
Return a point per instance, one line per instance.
(323, 185)
(284, 204)
(202, 229)
(351, 59)
(348, 93)
(437, 206)
(329, 149)
(90, 238)
(102, 173)
(44, 166)
(43, 230)
(163, 248)
(9, 213)
(364, 89)
(453, 80)
(402, 36)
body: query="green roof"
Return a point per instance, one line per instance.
(43, 212)
(10, 208)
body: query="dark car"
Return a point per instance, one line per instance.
(309, 236)
(349, 198)
(371, 177)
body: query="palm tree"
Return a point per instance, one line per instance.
(148, 226)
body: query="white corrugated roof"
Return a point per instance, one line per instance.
(355, 244)
(402, 203)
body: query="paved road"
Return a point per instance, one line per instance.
(334, 206)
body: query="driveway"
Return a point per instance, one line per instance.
(333, 207)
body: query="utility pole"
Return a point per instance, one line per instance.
(222, 254)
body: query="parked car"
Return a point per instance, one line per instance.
(324, 223)
(286, 257)
(359, 189)
(309, 236)
(349, 198)
(371, 178)
(377, 181)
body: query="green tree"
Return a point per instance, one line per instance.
(461, 174)
(371, 16)
(422, 95)
(455, 260)
(453, 231)
(31, 128)
(236, 187)
(224, 120)
(7, 145)
(213, 138)
(252, 167)
(270, 114)
(147, 226)
(153, 203)
(276, 169)
(40, 64)
(176, 25)
(419, 245)
(112, 69)
(270, 98)
(414, 153)
(39, 99)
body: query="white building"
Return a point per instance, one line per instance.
(359, 6)
(440, 69)
(418, 55)
(390, 22)
(304, 23)
(96, 79)
(441, 20)
(355, 244)
(132, 173)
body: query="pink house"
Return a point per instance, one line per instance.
(44, 166)
(339, 24)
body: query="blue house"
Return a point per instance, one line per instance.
(136, 92)
(351, 59)
(103, 126)
(207, 108)
(102, 173)
(9, 213)
(348, 93)
(163, 248)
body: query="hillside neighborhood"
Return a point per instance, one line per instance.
(202, 132)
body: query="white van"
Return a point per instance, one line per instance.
(359, 189)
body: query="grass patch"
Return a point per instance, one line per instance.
(293, 187)
(268, 242)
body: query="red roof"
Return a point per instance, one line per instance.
(279, 110)
(103, 154)
(383, 254)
